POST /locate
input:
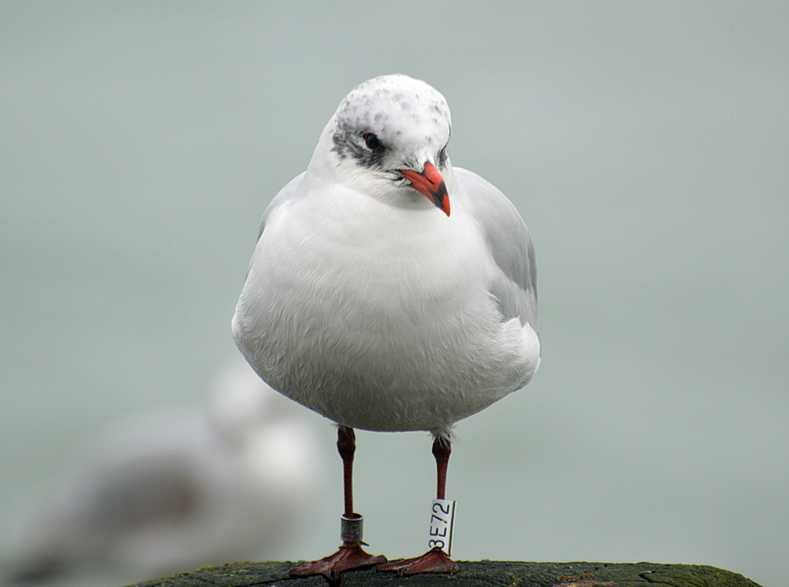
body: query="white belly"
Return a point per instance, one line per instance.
(380, 333)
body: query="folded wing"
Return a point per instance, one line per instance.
(515, 285)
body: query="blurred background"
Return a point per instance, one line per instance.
(646, 145)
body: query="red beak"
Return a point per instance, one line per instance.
(431, 184)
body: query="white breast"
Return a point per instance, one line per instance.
(379, 317)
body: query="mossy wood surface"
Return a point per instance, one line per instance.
(474, 573)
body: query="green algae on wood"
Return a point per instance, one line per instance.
(477, 573)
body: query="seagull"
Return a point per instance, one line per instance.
(389, 290)
(174, 490)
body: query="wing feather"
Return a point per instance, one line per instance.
(515, 286)
(292, 190)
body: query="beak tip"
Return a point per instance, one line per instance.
(430, 183)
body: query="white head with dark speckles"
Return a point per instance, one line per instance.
(388, 134)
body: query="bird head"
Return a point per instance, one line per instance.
(389, 136)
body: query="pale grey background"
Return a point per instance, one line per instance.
(644, 143)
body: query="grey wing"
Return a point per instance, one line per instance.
(107, 503)
(292, 190)
(159, 489)
(515, 286)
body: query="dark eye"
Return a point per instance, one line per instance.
(442, 157)
(372, 142)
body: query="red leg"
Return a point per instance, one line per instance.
(442, 448)
(434, 560)
(346, 446)
(350, 555)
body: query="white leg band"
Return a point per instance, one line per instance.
(442, 525)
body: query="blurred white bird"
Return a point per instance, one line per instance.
(173, 491)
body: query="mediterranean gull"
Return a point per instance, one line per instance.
(389, 290)
(174, 490)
